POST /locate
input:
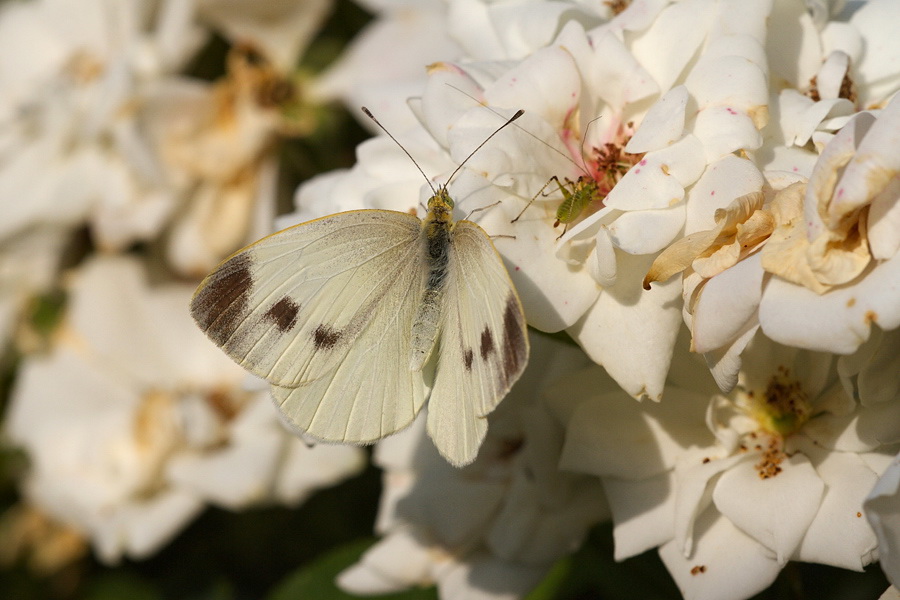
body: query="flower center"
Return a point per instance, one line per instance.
(610, 162)
(603, 166)
(784, 407)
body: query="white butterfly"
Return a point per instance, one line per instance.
(357, 319)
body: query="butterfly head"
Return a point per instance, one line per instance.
(440, 202)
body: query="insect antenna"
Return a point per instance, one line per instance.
(582, 166)
(369, 114)
(405, 151)
(518, 114)
(574, 199)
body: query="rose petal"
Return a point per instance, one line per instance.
(775, 511)
(659, 179)
(631, 331)
(663, 125)
(608, 434)
(838, 321)
(721, 182)
(725, 565)
(643, 512)
(879, 64)
(378, 571)
(839, 535)
(646, 231)
(727, 305)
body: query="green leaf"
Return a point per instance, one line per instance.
(555, 581)
(316, 579)
(118, 584)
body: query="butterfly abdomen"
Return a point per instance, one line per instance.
(436, 230)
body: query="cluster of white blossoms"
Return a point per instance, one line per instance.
(721, 240)
(130, 419)
(100, 128)
(134, 421)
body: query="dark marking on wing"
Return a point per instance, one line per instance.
(283, 314)
(468, 356)
(325, 337)
(222, 304)
(487, 343)
(514, 345)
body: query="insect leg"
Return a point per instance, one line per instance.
(540, 193)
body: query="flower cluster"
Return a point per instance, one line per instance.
(134, 421)
(730, 167)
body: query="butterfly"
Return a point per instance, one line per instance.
(359, 318)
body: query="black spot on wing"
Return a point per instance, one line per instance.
(515, 347)
(283, 314)
(487, 343)
(325, 337)
(468, 356)
(222, 302)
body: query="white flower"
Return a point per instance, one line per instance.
(135, 420)
(680, 164)
(97, 126)
(830, 243)
(71, 147)
(215, 142)
(837, 261)
(841, 65)
(731, 488)
(492, 529)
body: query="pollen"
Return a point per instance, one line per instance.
(617, 7)
(771, 458)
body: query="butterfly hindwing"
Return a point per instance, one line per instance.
(483, 345)
(293, 307)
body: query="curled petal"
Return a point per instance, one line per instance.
(714, 250)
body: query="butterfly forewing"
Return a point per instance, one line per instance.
(292, 307)
(372, 392)
(483, 345)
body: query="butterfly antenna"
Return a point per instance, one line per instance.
(582, 166)
(518, 114)
(384, 129)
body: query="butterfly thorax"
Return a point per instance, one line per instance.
(435, 236)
